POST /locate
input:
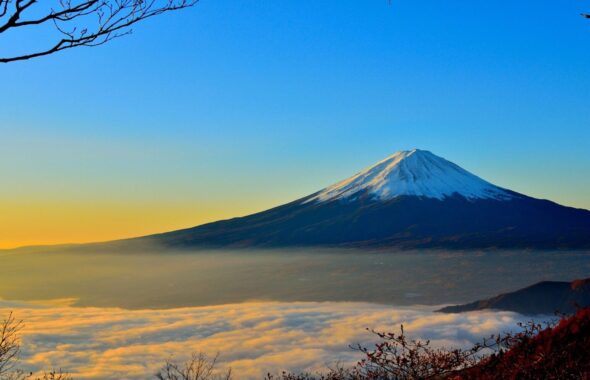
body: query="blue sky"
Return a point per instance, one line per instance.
(234, 106)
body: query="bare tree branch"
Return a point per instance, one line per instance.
(10, 347)
(199, 367)
(55, 375)
(80, 23)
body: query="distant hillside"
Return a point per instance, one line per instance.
(546, 297)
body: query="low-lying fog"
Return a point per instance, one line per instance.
(167, 280)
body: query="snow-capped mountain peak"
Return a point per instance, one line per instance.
(437, 205)
(412, 173)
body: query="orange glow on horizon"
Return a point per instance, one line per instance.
(26, 223)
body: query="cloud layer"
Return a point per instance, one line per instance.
(252, 338)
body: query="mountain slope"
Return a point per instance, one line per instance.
(412, 199)
(545, 297)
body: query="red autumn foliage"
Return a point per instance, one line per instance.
(559, 352)
(539, 351)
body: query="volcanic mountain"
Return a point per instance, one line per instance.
(411, 199)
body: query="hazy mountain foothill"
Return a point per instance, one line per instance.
(547, 297)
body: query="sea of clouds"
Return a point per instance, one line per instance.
(252, 338)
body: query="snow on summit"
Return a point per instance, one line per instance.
(413, 173)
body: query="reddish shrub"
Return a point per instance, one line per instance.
(559, 352)
(539, 351)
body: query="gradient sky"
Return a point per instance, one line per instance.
(235, 106)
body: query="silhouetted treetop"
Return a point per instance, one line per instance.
(64, 24)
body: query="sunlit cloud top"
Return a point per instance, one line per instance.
(252, 338)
